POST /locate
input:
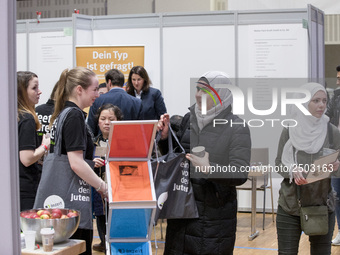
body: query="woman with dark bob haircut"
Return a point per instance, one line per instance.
(138, 85)
(105, 114)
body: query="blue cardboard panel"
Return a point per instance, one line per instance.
(130, 249)
(130, 223)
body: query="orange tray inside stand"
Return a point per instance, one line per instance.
(130, 181)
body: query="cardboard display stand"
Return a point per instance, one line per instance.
(131, 193)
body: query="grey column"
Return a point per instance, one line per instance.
(9, 173)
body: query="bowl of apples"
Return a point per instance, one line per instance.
(64, 222)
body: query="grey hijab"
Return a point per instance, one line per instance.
(213, 78)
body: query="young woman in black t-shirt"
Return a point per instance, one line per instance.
(30, 150)
(78, 88)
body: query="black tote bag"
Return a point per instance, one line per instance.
(175, 197)
(59, 186)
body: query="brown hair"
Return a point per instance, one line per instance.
(142, 73)
(24, 105)
(69, 79)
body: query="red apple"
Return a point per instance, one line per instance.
(55, 215)
(63, 216)
(34, 216)
(46, 212)
(24, 214)
(57, 210)
(44, 216)
(72, 214)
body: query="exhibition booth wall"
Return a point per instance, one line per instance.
(181, 46)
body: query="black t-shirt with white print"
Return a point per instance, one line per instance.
(74, 137)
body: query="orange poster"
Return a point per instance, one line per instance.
(100, 59)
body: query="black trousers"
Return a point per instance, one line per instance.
(289, 233)
(87, 236)
(101, 227)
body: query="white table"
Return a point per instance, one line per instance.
(69, 247)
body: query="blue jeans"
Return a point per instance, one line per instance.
(336, 187)
(289, 233)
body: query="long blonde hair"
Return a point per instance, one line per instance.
(24, 104)
(69, 79)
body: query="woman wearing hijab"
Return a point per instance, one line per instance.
(300, 145)
(215, 194)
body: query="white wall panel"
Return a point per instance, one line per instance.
(84, 37)
(188, 53)
(21, 52)
(49, 54)
(328, 6)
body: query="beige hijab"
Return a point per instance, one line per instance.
(309, 134)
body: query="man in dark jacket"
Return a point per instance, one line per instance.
(129, 105)
(333, 108)
(333, 112)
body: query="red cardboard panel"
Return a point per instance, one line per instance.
(131, 140)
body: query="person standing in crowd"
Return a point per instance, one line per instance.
(102, 89)
(333, 112)
(300, 145)
(138, 85)
(78, 89)
(129, 105)
(30, 148)
(225, 145)
(44, 112)
(105, 115)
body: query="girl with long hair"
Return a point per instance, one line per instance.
(30, 150)
(77, 89)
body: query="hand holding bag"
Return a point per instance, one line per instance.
(174, 193)
(313, 219)
(60, 186)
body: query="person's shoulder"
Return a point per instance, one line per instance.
(108, 97)
(336, 93)
(334, 130)
(154, 91)
(44, 109)
(115, 92)
(25, 116)
(40, 107)
(74, 113)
